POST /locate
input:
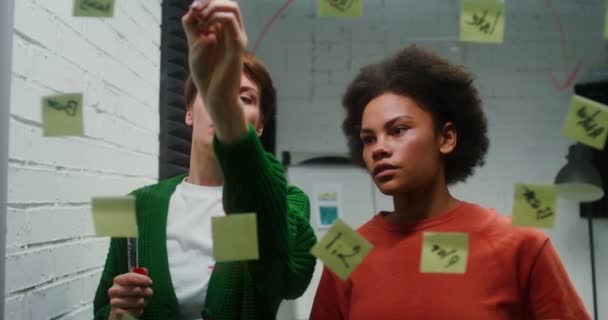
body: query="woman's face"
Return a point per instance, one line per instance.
(401, 148)
(202, 126)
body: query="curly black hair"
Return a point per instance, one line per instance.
(443, 89)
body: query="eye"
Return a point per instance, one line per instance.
(399, 130)
(247, 99)
(367, 140)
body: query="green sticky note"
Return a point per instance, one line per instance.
(587, 122)
(127, 316)
(534, 205)
(94, 8)
(339, 8)
(235, 237)
(444, 252)
(341, 249)
(62, 115)
(115, 217)
(482, 21)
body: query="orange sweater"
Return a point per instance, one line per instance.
(512, 273)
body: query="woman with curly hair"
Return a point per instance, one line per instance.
(415, 122)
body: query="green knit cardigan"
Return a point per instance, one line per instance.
(254, 181)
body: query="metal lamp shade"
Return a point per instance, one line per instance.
(579, 180)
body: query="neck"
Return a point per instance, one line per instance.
(423, 203)
(204, 168)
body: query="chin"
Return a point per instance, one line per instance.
(388, 188)
(395, 187)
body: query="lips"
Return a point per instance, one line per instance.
(380, 168)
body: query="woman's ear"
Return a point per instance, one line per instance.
(448, 138)
(189, 119)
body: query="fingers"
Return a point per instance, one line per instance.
(214, 18)
(121, 312)
(128, 303)
(133, 279)
(215, 6)
(191, 20)
(229, 26)
(129, 291)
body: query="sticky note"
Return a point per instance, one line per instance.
(444, 252)
(341, 249)
(62, 115)
(482, 21)
(534, 205)
(235, 237)
(94, 8)
(115, 217)
(127, 316)
(339, 8)
(587, 122)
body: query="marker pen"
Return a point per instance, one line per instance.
(133, 257)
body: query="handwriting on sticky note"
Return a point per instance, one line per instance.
(115, 217)
(339, 8)
(534, 205)
(482, 21)
(62, 115)
(341, 249)
(235, 237)
(587, 122)
(93, 8)
(444, 252)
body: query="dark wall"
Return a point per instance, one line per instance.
(175, 135)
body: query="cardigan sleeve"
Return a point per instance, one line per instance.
(254, 181)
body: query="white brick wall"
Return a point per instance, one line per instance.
(53, 260)
(312, 60)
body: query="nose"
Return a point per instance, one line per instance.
(380, 151)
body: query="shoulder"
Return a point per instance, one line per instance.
(162, 186)
(372, 227)
(297, 202)
(295, 192)
(499, 230)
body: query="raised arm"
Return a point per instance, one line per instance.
(217, 41)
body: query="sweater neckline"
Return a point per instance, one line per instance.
(380, 220)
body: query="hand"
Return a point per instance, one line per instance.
(128, 294)
(216, 41)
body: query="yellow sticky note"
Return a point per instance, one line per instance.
(587, 122)
(339, 8)
(62, 115)
(534, 205)
(444, 252)
(341, 249)
(94, 8)
(128, 316)
(115, 217)
(482, 21)
(235, 237)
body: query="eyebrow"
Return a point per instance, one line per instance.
(387, 124)
(247, 88)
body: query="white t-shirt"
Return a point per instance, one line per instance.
(189, 244)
